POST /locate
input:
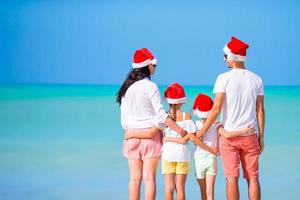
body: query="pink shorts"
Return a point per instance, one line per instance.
(141, 149)
(240, 149)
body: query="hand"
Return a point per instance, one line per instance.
(249, 130)
(165, 139)
(183, 132)
(128, 134)
(183, 141)
(218, 125)
(199, 133)
(215, 151)
(261, 144)
(224, 134)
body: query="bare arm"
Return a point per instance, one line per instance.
(182, 140)
(147, 134)
(216, 109)
(154, 130)
(232, 134)
(172, 125)
(200, 144)
(260, 112)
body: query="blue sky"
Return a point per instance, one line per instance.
(92, 42)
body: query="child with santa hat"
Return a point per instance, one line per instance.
(205, 161)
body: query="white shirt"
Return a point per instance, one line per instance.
(175, 152)
(210, 138)
(141, 106)
(241, 88)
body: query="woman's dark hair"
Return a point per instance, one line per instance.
(133, 76)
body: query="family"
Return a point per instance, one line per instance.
(152, 133)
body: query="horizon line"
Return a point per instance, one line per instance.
(113, 84)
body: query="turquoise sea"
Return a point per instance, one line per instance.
(64, 142)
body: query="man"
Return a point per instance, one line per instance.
(239, 95)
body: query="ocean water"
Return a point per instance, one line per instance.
(65, 142)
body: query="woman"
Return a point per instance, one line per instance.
(141, 109)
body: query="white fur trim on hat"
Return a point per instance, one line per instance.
(201, 114)
(145, 63)
(141, 64)
(176, 101)
(231, 56)
(154, 61)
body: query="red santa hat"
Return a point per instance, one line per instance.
(143, 57)
(202, 106)
(235, 50)
(175, 94)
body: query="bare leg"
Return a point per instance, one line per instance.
(135, 168)
(232, 188)
(254, 189)
(169, 186)
(210, 187)
(202, 184)
(149, 176)
(180, 186)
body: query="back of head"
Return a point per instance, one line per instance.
(175, 96)
(202, 106)
(235, 50)
(142, 58)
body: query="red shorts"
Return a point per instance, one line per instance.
(141, 149)
(240, 149)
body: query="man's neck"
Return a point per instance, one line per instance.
(238, 65)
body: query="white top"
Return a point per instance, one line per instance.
(175, 152)
(141, 106)
(239, 107)
(210, 138)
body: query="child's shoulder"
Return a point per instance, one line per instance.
(181, 116)
(188, 116)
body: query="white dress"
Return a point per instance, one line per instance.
(175, 152)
